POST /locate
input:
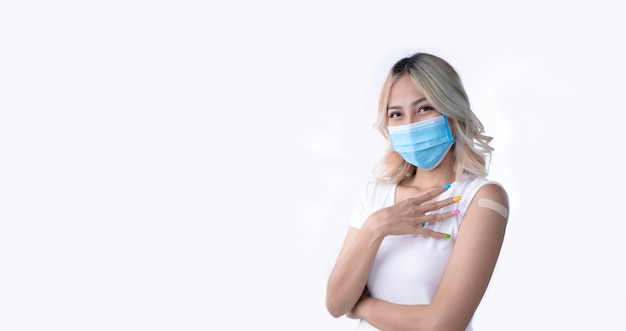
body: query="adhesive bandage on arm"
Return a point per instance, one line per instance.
(493, 205)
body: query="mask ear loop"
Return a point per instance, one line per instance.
(458, 170)
(451, 129)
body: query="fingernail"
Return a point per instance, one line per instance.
(424, 224)
(455, 212)
(456, 198)
(447, 186)
(445, 235)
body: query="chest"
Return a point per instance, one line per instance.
(403, 193)
(408, 266)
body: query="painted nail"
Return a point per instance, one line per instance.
(447, 186)
(445, 235)
(424, 224)
(456, 198)
(455, 212)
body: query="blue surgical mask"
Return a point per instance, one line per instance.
(423, 144)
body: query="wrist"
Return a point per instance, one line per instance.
(373, 229)
(360, 310)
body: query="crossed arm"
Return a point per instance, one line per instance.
(462, 287)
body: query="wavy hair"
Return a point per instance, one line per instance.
(442, 87)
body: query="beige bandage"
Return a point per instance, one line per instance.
(493, 205)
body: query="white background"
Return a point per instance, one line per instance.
(182, 165)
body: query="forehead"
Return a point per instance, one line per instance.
(404, 89)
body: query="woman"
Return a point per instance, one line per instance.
(425, 236)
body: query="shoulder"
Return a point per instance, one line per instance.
(374, 195)
(491, 195)
(378, 188)
(483, 186)
(377, 194)
(486, 193)
(492, 190)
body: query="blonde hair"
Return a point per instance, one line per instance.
(442, 87)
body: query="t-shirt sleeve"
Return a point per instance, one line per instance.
(360, 211)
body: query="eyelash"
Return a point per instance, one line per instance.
(419, 111)
(425, 107)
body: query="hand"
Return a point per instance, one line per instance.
(406, 217)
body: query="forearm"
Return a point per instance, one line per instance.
(349, 276)
(395, 317)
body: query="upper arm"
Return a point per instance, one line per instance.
(473, 258)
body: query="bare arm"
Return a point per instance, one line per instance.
(349, 276)
(465, 280)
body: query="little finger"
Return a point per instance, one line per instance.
(434, 234)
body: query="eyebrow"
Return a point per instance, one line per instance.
(414, 103)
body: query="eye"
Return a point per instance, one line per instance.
(424, 108)
(394, 114)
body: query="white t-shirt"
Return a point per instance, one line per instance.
(408, 268)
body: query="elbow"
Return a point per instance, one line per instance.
(335, 313)
(335, 307)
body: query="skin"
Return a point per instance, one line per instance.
(471, 263)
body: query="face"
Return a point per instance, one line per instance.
(407, 104)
